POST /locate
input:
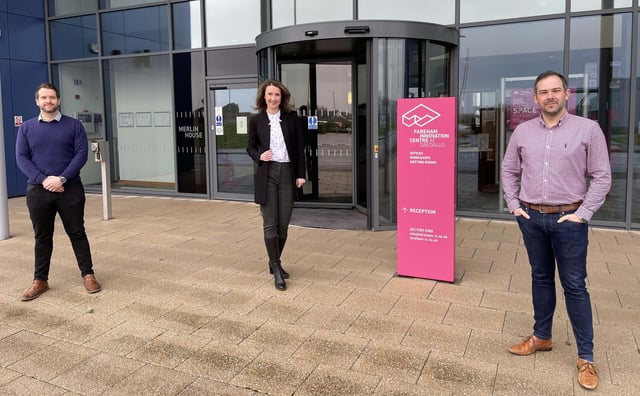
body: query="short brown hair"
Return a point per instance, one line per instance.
(550, 73)
(285, 96)
(47, 86)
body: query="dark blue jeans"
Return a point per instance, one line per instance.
(548, 242)
(43, 206)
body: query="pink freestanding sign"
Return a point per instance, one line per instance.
(426, 187)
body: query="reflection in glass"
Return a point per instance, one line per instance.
(496, 94)
(231, 61)
(333, 138)
(187, 25)
(283, 13)
(416, 68)
(190, 131)
(410, 10)
(330, 10)
(139, 89)
(135, 31)
(123, 3)
(296, 77)
(361, 130)
(600, 71)
(74, 38)
(79, 84)
(263, 65)
(487, 10)
(324, 90)
(231, 22)
(234, 167)
(586, 5)
(67, 7)
(438, 71)
(391, 83)
(295, 12)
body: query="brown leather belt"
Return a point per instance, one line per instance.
(552, 208)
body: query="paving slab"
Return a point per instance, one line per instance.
(188, 307)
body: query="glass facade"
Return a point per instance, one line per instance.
(391, 87)
(68, 7)
(234, 169)
(407, 10)
(587, 5)
(488, 10)
(187, 26)
(145, 68)
(74, 38)
(404, 66)
(138, 96)
(82, 88)
(496, 94)
(135, 31)
(190, 130)
(600, 73)
(231, 22)
(295, 12)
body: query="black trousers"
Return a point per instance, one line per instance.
(43, 206)
(276, 213)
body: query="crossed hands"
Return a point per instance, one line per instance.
(53, 184)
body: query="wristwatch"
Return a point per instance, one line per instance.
(63, 179)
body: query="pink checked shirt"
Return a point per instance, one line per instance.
(550, 165)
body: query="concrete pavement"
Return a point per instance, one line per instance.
(188, 308)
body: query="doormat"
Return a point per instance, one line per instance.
(333, 219)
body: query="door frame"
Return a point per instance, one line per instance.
(211, 149)
(313, 82)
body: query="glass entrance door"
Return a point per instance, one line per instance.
(230, 108)
(324, 90)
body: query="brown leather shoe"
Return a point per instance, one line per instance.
(587, 374)
(91, 284)
(37, 288)
(531, 345)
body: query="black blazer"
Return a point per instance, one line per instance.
(259, 138)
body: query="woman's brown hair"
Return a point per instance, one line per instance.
(285, 96)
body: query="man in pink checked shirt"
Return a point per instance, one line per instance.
(544, 175)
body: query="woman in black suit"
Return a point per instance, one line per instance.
(276, 144)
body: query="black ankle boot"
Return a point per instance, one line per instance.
(285, 274)
(273, 251)
(281, 243)
(277, 275)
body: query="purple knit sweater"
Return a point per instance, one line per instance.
(56, 148)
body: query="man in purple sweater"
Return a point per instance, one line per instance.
(50, 150)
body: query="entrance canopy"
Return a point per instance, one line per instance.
(342, 38)
(347, 76)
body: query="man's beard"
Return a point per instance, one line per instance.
(53, 110)
(557, 111)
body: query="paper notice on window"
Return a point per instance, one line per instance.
(241, 125)
(218, 120)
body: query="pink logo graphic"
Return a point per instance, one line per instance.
(420, 116)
